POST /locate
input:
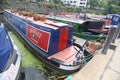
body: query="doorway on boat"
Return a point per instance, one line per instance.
(63, 39)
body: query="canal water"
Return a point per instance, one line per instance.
(29, 60)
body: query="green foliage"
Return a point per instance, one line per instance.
(40, 4)
(104, 6)
(50, 5)
(115, 2)
(70, 8)
(21, 9)
(26, 1)
(6, 4)
(112, 7)
(6, 1)
(78, 9)
(56, 1)
(93, 3)
(7, 7)
(58, 5)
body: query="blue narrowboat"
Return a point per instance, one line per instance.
(50, 41)
(10, 57)
(115, 20)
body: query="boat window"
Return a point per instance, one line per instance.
(109, 16)
(116, 18)
(74, 1)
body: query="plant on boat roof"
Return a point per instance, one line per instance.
(43, 18)
(36, 17)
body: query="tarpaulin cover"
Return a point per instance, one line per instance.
(5, 48)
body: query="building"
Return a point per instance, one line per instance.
(78, 3)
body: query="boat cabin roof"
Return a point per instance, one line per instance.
(67, 19)
(46, 23)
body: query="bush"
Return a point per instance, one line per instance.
(6, 1)
(50, 5)
(40, 4)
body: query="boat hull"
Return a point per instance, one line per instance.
(94, 37)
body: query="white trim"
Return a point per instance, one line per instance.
(68, 67)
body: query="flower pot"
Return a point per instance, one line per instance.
(43, 18)
(36, 18)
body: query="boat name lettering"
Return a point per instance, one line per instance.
(35, 33)
(11, 73)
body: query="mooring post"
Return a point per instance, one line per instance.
(116, 34)
(108, 39)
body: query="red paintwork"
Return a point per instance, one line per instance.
(63, 39)
(38, 36)
(107, 22)
(66, 55)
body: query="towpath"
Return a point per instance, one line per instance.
(102, 66)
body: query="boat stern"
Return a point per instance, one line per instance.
(67, 59)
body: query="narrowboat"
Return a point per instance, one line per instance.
(115, 19)
(10, 57)
(50, 41)
(99, 28)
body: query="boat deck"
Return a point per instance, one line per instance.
(66, 55)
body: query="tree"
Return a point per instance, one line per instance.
(78, 9)
(115, 2)
(93, 3)
(50, 4)
(40, 4)
(112, 7)
(70, 8)
(6, 1)
(56, 1)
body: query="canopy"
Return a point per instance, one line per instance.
(5, 48)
